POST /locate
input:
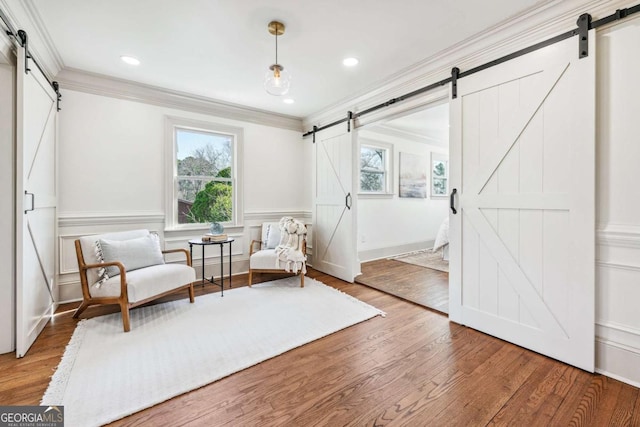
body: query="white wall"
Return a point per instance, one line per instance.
(393, 225)
(7, 208)
(112, 175)
(618, 202)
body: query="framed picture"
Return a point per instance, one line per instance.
(439, 175)
(413, 176)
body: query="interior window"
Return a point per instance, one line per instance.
(373, 169)
(203, 163)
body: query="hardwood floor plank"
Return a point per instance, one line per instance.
(420, 285)
(622, 410)
(535, 402)
(412, 367)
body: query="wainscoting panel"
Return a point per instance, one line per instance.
(617, 297)
(73, 226)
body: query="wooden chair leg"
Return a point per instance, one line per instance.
(192, 295)
(250, 277)
(80, 309)
(124, 308)
(301, 279)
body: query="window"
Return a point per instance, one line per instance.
(439, 175)
(203, 185)
(374, 168)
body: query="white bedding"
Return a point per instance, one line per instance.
(442, 239)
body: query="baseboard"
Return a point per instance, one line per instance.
(388, 251)
(618, 362)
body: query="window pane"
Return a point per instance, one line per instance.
(203, 153)
(439, 168)
(372, 158)
(189, 187)
(372, 181)
(212, 202)
(439, 186)
(201, 157)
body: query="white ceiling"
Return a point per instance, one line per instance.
(221, 48)
(430, 126)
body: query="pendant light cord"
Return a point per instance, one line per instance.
(277, 28)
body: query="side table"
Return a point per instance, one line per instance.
(199, 242)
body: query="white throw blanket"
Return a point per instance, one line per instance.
(289, 251)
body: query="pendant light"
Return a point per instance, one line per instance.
(277, 80)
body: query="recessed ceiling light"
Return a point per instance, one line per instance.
(350, 62)
(130, 60)
(288, 101)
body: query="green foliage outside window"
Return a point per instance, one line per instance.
(214, 202)
(204, 176)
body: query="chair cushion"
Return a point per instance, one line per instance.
(263, 260)
(266, 260)
(147, 282)
(270, 235)
(88, 246)
(133, 253)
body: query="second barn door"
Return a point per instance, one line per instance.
(523, 169)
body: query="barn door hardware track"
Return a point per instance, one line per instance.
(21, 38)
(584, 23)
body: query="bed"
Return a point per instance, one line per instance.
(442, 239)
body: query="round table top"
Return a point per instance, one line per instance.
(199, 241)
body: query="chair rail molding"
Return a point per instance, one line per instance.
(271, 216)
(91, 219)
(621, 235)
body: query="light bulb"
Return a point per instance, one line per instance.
(277, 80)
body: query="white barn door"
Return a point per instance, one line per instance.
(35, 203)
(523, 164)
(334, 217)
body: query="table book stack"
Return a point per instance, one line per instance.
(214, 238)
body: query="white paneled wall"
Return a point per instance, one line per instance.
(618, 201)
(112, 178)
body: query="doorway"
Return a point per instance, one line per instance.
(403, 202)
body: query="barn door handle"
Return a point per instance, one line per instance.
(452, 202)
(347, 201)
(33, 201)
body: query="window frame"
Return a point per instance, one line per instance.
(388, 168)
(172, 124)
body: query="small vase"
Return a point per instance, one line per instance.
(216, 228)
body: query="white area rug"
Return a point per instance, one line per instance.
(425, 258)
(175, 347)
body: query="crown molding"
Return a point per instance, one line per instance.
(22, 15)
(6, 49)
(537, 24)
(408, 136)
(98, 84)
(43, 35)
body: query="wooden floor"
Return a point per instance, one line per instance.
(411, 368)
(421, 285)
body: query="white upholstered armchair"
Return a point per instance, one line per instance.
(128, 269)
(282, 248)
